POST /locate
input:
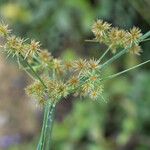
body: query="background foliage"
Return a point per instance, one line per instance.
(120, 123)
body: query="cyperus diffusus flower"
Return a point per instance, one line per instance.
(114, 37)
(56, 78)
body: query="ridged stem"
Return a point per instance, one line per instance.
(45, 138)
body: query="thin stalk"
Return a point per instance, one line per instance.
(146, 35)
(28, 74)
(23, 66)
(107, 50)
(124, 71)
(33, 71)
(114, 58)
(148, 39)
(91, 40)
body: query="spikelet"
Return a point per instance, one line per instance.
(4, 30)
(37, 91)
(33, 48)
(45, 57)
(68, 65)
(134, 35)
(135, 49)
(14, 45)
(117, 38)
(96, 92)
(74, 81)
(80, 65)
(100, 27)
(57, 65)
(93, 64)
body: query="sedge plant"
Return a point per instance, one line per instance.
(55, 79)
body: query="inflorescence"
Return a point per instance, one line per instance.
(54, 78)
(116, 38)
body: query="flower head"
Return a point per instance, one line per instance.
(93, 78)
(62, 89)
(45, 56)
(80, 65)
(4, 30)
(135, 49)
(99, 28)
(15, 45)
(33, 48)
(73, 81)
(37, 90)
(93, 64)
(68, 65)
(94, 94)
(57, 65)
(134, 35)
(86, 88)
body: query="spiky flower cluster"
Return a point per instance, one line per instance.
(117, 38)
(79, 77)
(54, 78)
(59, 78)
(4, 29)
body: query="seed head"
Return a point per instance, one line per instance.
(94, 95)
(15, 45)
(57, 65)
(99, 28)
(37, 90)
(62, 89)
(4, 30)
(93, 78)
(86, 88)
(134, 35)
(117, 38)
(93, 64)
(45, 56)
(33, 48)
(121, 36)
(135, 49)
(80, 65)
(73, 81)
(68, 65)
(96, 92)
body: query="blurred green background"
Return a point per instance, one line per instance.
(62, 26)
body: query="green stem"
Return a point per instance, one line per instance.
(114, 58)
(104, 54)
(148, 39)
(45, 138)
(91, 41)
(124, 71)
(146, 35)
(33, 71)
(50, 126)
(40, 144)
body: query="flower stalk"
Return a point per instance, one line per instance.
(55, 79)
(45, 137)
